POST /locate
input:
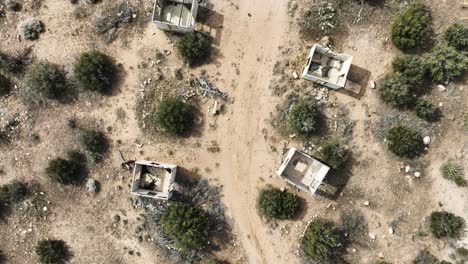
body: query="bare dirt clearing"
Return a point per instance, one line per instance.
(238, 150)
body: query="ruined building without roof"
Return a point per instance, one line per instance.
(153, 179)
(327, 68)
(175, 15)
(302, 171)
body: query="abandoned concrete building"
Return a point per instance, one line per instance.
(153, 179)
(175, 15)
(302, 171)
(327, 68)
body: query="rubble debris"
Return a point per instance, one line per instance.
(207, 87)
(441, 87)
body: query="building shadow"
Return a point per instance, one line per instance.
(357, 81)
(335, 181)
(211, 22)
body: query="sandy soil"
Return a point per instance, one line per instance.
(248, 37)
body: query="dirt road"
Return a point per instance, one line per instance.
(250, 41)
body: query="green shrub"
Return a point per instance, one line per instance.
(12, 5)
(404, 141)
(95, 142)
(9, 64)
(194, 47)
(304, 118)
(463, 252)
(444, 224)
(13, 192)
(334, 154)
(411, 29)
(411, 67)
(187, 225)
(425, 257)
(396, 91)
(273, 203)
(446, 63)
(322, 242)
(5, 85)
(51, 251)
(427, 110)
(47, 80)
(95, 71)
(452, 171)
(457, 37)
(174, 116)
(66, 171)
(31, 28)
(322, 18)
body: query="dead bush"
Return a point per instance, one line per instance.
(31, 28)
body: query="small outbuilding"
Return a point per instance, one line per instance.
(327, 68)
(302, 171)
(175, 15)
(153, 179)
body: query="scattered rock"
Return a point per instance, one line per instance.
(372, 236)
(427, 140)
(295, 75)
(390, 230)
(373, 85)
(91, 185)
(366, 203)
(417, 174)
(380, 255)
(407, 169)
(116, 218)
(441, 88)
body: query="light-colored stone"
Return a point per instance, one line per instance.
(366, 203)
(295, 75)
(390, 230)
(427, 140)
(417, 174)
(373, 85)
(441, 87)
(372, 236)
(407, 169)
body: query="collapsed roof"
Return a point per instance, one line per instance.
(302, 171)
(327, 68)
(154, 180)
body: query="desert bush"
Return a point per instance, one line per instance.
(382, 262)
(446, 63)
(355, 225)
(31, 28)
(66, 171)
(427, 110)
(174, 116)
(411, 67)
(322, 242)
(425, 257)
(13, 192)
(9, 64)
(463, 252)
(396, 91)
(404, 141)
(47, 80)
(304, 118)
(95, 142)
(453, 172)
(188, 225)
(194, 47)
(334, 154)
(274, 203)
(411, 28)
(322, 18)
(95, 71)
(457, 37)
(12, 5)
(51, 251)
(446, 225)
(5, 85)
